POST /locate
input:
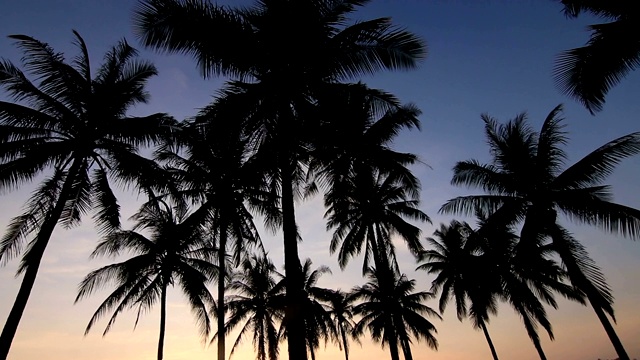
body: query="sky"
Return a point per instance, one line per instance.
(484, 56)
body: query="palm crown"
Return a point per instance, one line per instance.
(177, 252)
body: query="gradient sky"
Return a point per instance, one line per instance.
(485, 56)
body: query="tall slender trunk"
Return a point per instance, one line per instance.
(406, 348)
(296, 336)
(33, 259)
(579, 279)
(163, 319)
(483, 326)
(221, 279)
(345, 344)
(393, 343)
(617, 344)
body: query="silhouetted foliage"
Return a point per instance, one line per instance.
(76, 126)
(588, 73)
(526, 183)
(177, 252)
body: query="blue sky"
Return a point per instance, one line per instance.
(485, 56)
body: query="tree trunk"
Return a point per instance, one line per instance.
(406, 349)
(33, 259)
(296, 336)
(579, 279)
(617, 344)
(163, 319)
(483, 326)
(345, 345)
(393, 344)
(221, 279)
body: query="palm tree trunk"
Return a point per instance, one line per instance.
(32, 261)
(296, 336)
(483, 326)
(406, 349)
(221, 279)
(393, 343)
(579, 279)
(345, 345)
(163, 319)
(615, 340)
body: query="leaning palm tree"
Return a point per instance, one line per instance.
(526, 183)
(210, 160)
(78, 127)
(393, 314)
(257, 306)
(278, 84)
(461, 274)
(177, 252)
(588, 73)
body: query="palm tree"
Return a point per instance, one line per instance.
(588, 73)
(340, 306)
(368, 183)
(78, 126)
(526, 183)
(366, 211)
(462, 275)
(176, 252)
(258, 305)
(278, 83)
(393, 314)
(210, 160)
(317, 319)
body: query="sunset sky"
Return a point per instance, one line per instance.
(485, 56)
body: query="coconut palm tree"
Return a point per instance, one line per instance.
(369, 208)
(257, 305)
(587, 73)
(340, 306)
(210, 160)
(394, 314)
(177, 252)
(77, 126)
(317, 319)
(461, 274)
(367, 182)
(526, 183)
(279, 83)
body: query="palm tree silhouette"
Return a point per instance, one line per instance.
(78, 126)
(394, 314)
(370, 190)
(461, 274)
(588, 73)
(177, 252)
(317, 319)
(257, 305)
(367, 211)
(340, 307)
(278, 83)
(210, 160)
(526, 183)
